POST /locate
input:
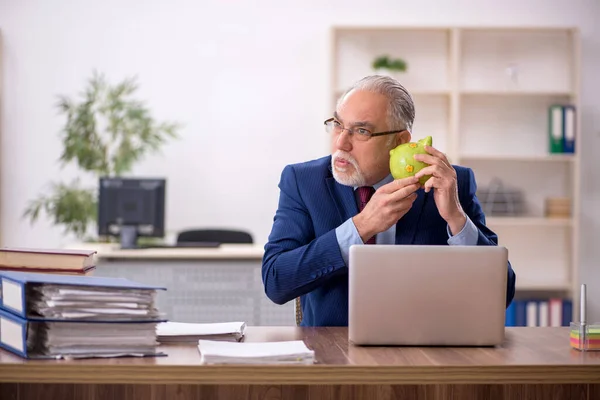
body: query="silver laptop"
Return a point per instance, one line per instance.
(427, 295)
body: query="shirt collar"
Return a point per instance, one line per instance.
(382, 182)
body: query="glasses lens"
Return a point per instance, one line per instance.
(330, 126)
(361, 134)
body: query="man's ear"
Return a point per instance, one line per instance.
(403, 137)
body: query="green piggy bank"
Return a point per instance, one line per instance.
(402, 162)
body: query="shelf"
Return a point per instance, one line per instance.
(512, 60)
(484, 94)
(528, 221)
(516, 93)
(520, 158)
(424, 92)
(498, 125)
(429, 92)
(543, 286)
(425, 50)
(366, 29)
(446, 92)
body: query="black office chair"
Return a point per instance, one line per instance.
(214, 235)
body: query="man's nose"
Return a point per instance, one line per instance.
(342, 141)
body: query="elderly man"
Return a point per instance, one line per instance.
(327, 205)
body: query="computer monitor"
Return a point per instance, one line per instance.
(131, 207)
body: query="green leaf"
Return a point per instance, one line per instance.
(69, 205)
(385, 61)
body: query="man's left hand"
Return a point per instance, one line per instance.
(443, 180)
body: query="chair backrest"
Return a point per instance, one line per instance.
(215, 235)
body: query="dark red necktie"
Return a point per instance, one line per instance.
(364, 194)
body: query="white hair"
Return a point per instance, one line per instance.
(357, 178)
(401, 108)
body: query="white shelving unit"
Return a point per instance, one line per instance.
(483, 95)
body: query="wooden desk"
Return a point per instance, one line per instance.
(533, 363)
(203, 284)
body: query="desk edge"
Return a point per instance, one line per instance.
(296, 375)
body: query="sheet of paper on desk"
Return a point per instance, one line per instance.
(288, 352)
(192, 332)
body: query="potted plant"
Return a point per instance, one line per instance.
(105, 134)
(385, 65)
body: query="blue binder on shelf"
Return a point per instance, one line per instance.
(14, 286)
(569, 129)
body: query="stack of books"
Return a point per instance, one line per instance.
(287, 352)
(65, 316)
(177, 332)
(55, 261)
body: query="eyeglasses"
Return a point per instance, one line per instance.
(362, 134)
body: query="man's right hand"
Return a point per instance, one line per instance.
(388, 204)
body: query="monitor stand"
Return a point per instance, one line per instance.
(129, 236)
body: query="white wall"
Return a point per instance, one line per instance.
(248, 79)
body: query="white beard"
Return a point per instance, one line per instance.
(342, 175)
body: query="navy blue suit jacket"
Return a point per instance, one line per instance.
(302, 256)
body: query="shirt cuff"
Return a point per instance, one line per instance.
(347, 235)
(466, 237)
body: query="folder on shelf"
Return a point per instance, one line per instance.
(543, 316)
(44, 339)
(69, 297)
(555, 128)
(531, 313)
(510, 314)
(569, 129)
(555, 311)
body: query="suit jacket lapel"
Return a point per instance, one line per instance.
(406, 228)
(343, 197)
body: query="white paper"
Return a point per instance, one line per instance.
(199, 329)
(62, 303)
(287, 352)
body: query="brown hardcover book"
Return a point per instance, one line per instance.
(87, 271)
(51, 260)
